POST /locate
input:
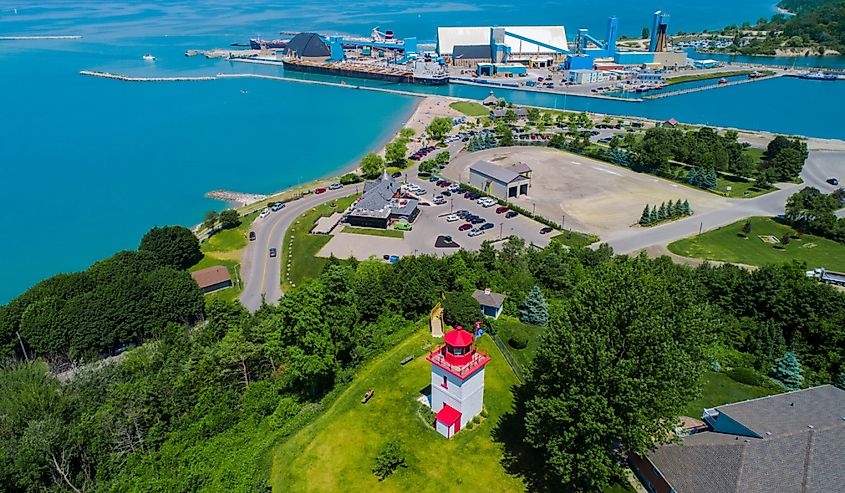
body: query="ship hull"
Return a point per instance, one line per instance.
(361, 74)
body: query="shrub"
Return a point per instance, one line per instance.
(469, 425)
(350, 178)
(390, 458)
(748, 376)
(519, 339)
(715, 366)
(427, 414)
(476, 419)
(484, 413)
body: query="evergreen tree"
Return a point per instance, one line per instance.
(652, 217)
(788, 371)
(661, 213)
(709, 179)
(679, 208)
(839, 381)
(646, 217)
(746, 228)
(693, 176)
(535, 310)
(670, 209)
(687, 208)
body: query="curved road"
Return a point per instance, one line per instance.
(261, 273)
(819, 167)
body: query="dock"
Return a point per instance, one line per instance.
(712, 86)
(515, 87)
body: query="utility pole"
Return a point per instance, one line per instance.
(563, 222)
(501, 230)
(534, 209)
(451, 205)
(700, 229)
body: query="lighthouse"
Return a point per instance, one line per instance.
(457, 382)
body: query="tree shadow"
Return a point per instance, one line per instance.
(520, 459)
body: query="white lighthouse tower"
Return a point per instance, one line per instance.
(457, 382)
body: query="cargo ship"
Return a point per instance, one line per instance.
(818, 76)
(372, 72)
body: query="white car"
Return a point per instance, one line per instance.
(451, 218)
(475, 232)
(264, 213)
(420, 191)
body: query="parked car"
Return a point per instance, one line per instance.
(264, 213)
(320, 190)
(833, 181)
(420, 191)
(545, 230)
(252, 236)
(452, 218)
(485, 226)
(433, 178)
(335, 186)
(403, 226)
(447, 193)
(475, 232)
(277, 206)
(464, 227)
(511, 214)
(396, 174)
(501, 210)
(462, 213)
(272, 252)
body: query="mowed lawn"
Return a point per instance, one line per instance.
(470, 108)
(304, 263)
(727, 245)
(336, 451)
(719, 389)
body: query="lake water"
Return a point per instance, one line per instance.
(88, 165)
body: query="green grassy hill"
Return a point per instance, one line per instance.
(336, 451)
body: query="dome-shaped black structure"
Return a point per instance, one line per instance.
(307, 45)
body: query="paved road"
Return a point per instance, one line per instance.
(819, 167)
(262, 274)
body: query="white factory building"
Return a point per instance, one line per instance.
(468, 42)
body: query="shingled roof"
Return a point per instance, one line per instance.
(488, 298)
(798, 447)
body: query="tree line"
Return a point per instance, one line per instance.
(811, 211)
(627, 339)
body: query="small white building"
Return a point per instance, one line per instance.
(500, 181)
(457, 382)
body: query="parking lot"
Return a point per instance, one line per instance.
(432, 223)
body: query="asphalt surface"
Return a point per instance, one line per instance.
(819, 167)
(261, 273)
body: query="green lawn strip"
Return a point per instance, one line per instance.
(575, 239)
(304, 263)
(230, 240)
(388, 233)
(336, 451)
(727, 245)
(719, 389)
(712, 75)
(470, 108)
(228, 294)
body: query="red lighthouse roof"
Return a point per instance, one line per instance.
(458, 338)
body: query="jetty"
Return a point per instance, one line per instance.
(516, 87)
(35, 38)
(711, 86)
(108, 75)
(237, 197)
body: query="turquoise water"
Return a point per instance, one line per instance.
(89, 165)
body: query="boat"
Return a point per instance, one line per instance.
(263, 44)
(149, 57)
(723, 81)
(819, 75)
(755, 75)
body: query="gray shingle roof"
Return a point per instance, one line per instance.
(378, 201)
(790, 457)
(496, 172)
(488, 299)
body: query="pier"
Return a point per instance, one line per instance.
(712, 86)
(469, 82)
(35, 38)
(108, 75)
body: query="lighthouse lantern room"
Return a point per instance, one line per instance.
(457, 382)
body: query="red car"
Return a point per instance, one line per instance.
(320, 190)
(501, 210)
(464, 227)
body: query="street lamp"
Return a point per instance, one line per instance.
(451, 205)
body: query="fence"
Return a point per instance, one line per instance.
(509, 358)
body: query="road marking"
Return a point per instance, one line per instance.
(606, 171)
(267, 254)
(575, 162)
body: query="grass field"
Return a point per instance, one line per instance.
(719, 389)
(470, 108)
(304, 263)
(506, 326)
(727, 245)
(224, 248)
(387, 233)
(230, 240)
(336, 451)
(575, 239)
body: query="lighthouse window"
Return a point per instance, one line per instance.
(445, 383)
(459, 351)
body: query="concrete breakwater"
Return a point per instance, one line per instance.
(236, 197)
(35, 38)
(107, 75)
(712, 86)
